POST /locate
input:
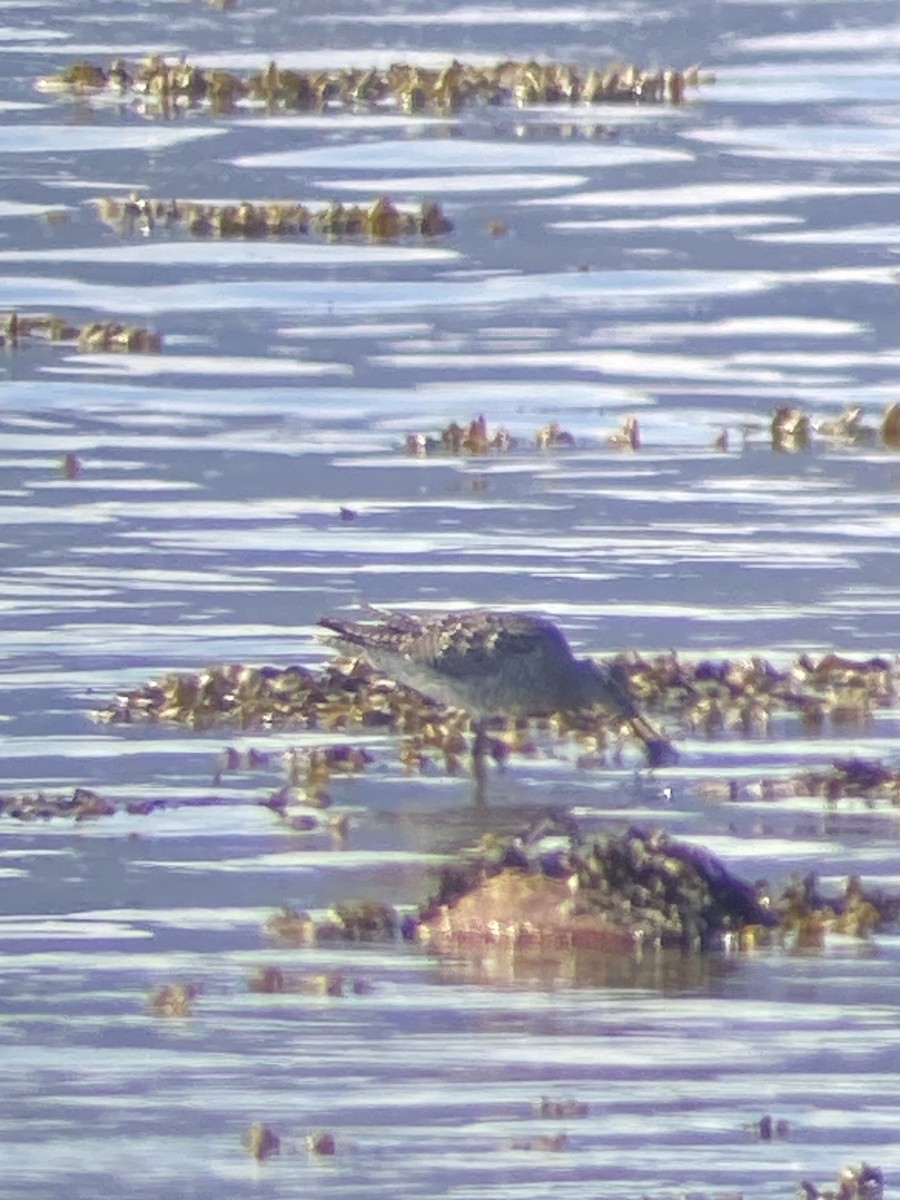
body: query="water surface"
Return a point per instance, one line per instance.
(694, 266)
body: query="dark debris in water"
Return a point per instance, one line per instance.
(869, 780)
(546, 1142)
(858, 778)
(767, 1128)
(70, 467)
(164, 85)
(380, 221)
(560, 1110)
(82, 804)
(321, 1141)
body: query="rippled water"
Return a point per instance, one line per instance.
(695, 266)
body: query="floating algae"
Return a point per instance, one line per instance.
(94, 337)
(704, 695)
(166, 84)
(379, 222)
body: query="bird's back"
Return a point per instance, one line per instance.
(490, 663)
(486, 662)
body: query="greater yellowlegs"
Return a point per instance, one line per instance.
(489, 663)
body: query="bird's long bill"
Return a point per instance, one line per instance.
(660, 751)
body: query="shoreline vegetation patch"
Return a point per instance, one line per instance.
(705, 695)
(404, 86)
(17, 329)
(381, 221)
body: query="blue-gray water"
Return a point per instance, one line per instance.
(694, 266)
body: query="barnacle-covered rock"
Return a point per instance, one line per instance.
(553, 889)
(789, 430)
(309, 771)
(611, 895)
(856, 781)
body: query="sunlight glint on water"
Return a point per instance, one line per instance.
(694, 266)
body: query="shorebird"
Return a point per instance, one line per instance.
(488, 663)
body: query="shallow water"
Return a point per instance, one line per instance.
(694, 266)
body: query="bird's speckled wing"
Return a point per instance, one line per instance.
(476, 644)
(457, 645)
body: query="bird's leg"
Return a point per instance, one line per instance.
(660, 751)
(482, 743)
(617, 695)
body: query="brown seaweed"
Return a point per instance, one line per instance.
(92, 338)
(380, 221)
(164, 84)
